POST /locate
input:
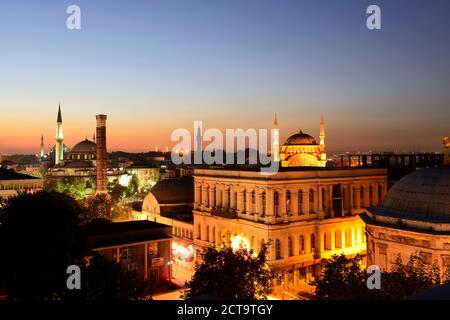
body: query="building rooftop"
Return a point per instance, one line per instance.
(9, 174)
(107, 234)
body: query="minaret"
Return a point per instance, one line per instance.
(446, 142)
(276, 140)
(101, 154)
(323, 155)
(59, 146)
(42, 146)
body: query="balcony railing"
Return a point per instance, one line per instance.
(224, 212)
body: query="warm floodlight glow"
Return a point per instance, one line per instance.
(239, 241)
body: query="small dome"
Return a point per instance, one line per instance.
(300, 139)
(423, 192)
(178, 190)
(85, 146)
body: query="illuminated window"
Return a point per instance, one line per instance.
(253, 202)
(276, 204)
(263, 205)
(313, 242)
(277, 250)
(300, 201)
(301, 244)
(290, 248)
(288, 202)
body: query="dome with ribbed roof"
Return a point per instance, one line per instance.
(300, 139)
(423, 192)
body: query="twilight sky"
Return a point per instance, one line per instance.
(157, 65)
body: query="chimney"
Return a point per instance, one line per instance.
(101, 154)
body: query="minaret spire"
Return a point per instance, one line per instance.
(42, 146)
(322, 131)
(59, 119)
(276, 140)
(59, 146)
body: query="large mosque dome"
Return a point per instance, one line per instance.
(422, 193)
(84, 150)
(299, 139)
(84, 146)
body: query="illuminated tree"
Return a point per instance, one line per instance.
(342, 278)
(98, 206)
(231, 274)
(73, 186)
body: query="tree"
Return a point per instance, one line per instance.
(40, 237)
(342, 278)
(73, 186)
(116, 191)
(98, 206)
(231, 274)
(105, 280)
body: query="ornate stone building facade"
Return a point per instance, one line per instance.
(304, 214)
(414, 218)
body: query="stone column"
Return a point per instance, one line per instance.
(320, 200)
(226, 200)
(197, 193)
(294, 202)
(357, 193)
(240, 201)
(248, 203)
(218, 196)
(212, 197)
(205, 196)
(367, 197)
(330, 201)
(305, 201)
(316, 201)
(375, 200)
(233, 198)
(351, 199)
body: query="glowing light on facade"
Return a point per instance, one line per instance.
(238, 241)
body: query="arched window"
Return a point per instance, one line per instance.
(348, 238)
(227, 204)
(290, 248)
(207, 233)
(263, 205)
(277, 250)
(313, 243)
(311, 200)
(327, 241)
(300, 202)
(301, 243)
(199, 229)
(213, 235)
(253, 202)
(244, 202)
(324, 199)
(276, 204)
(288, 202)
(338, 239)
